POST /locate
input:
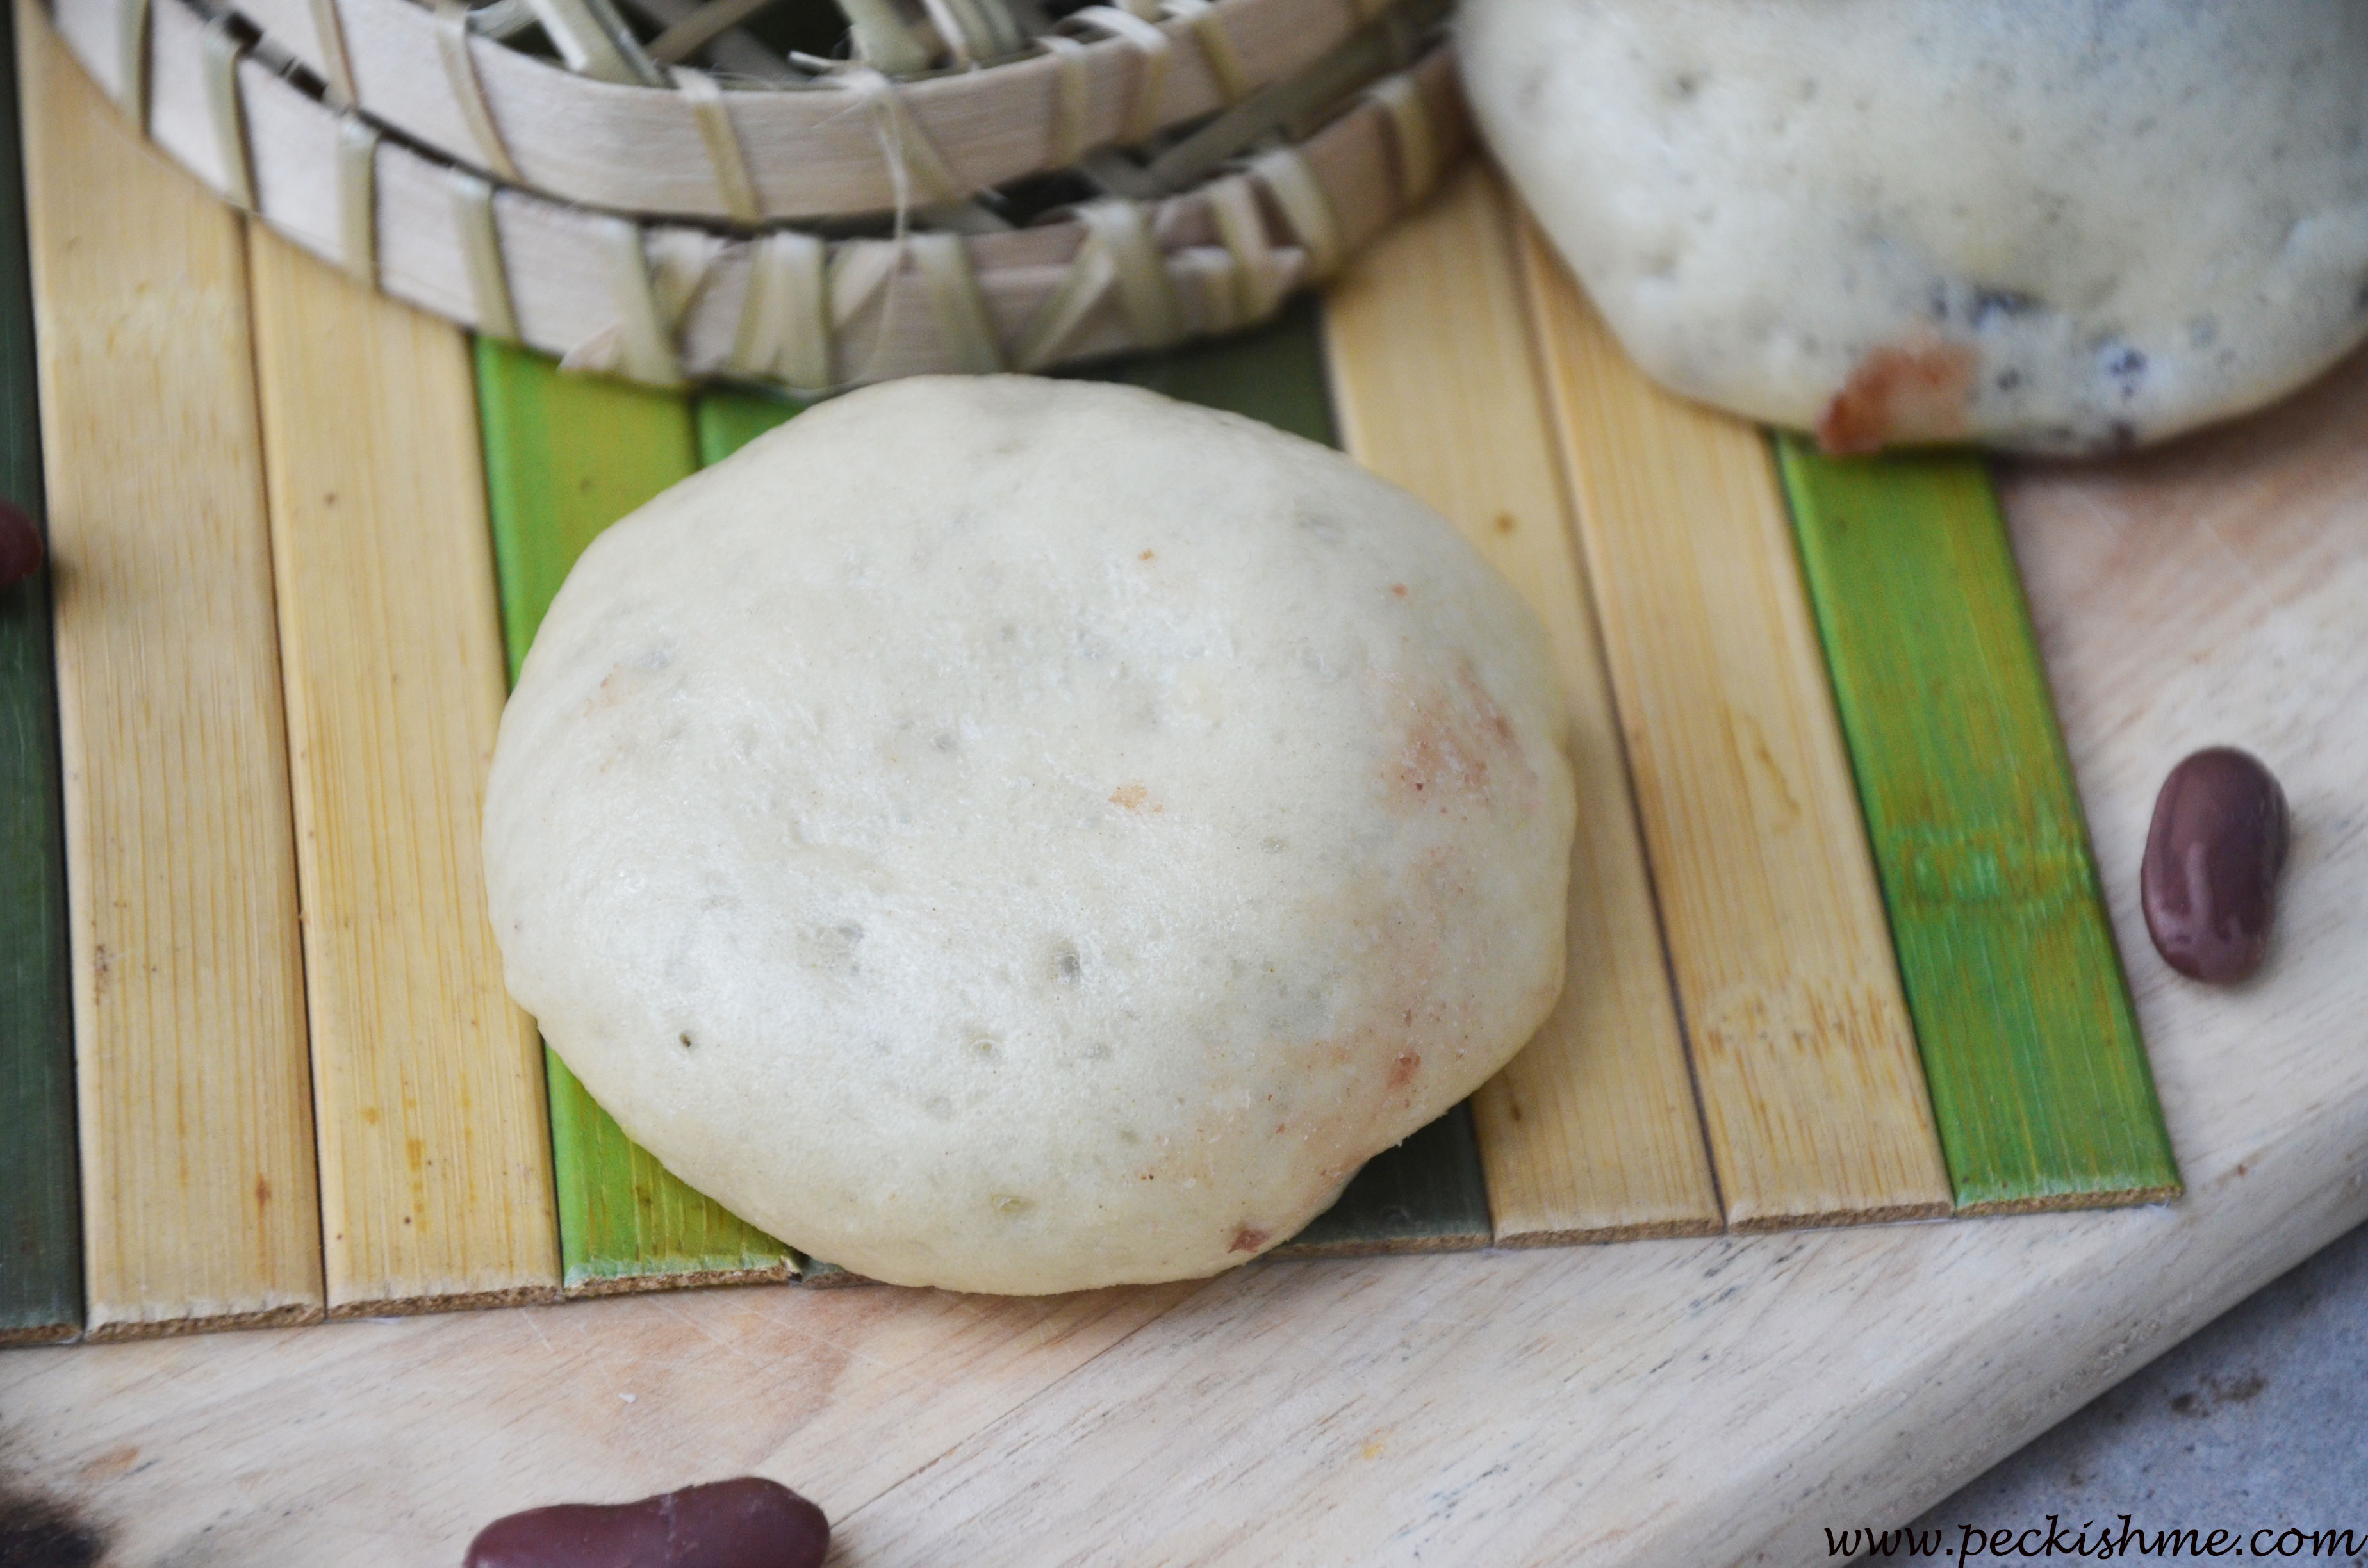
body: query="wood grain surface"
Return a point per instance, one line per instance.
(1812, 1096)
(195, 1115)
(566, 455)
(434, 1157)
(2039, 1080)
(40, 1203)
(1675, 1403)
(1591, 1134)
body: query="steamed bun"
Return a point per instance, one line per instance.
(1023, 836)
(2055, 225)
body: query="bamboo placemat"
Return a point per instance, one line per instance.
(1740, 1052)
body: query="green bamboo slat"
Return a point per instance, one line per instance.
(1425, 1194)
(727, 421)
(628, 1223)
(2031, 1048)
(40, 1224)
(1274, 374)
(565, 456)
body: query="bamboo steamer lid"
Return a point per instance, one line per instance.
(974, 189)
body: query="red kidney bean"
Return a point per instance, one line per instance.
(20, 545)
(2209, 880)
(745, 1523)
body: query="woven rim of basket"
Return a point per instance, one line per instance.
(665, 304)
(664, 139)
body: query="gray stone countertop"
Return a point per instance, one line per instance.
(2259, 1422)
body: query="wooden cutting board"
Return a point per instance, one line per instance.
(1688, 1401)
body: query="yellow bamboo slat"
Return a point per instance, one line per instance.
(1811, 1090)
(1591, 1134)
(435, 1182)
(195, 1121)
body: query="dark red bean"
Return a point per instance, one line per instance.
(2209, 880)
(20, 545)
(745, 1523)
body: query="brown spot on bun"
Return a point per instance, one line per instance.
(1900, 392)
(1455, 739)
(1403, 1070)
(1249, 1238)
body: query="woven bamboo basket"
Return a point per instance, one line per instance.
(1024, 194)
